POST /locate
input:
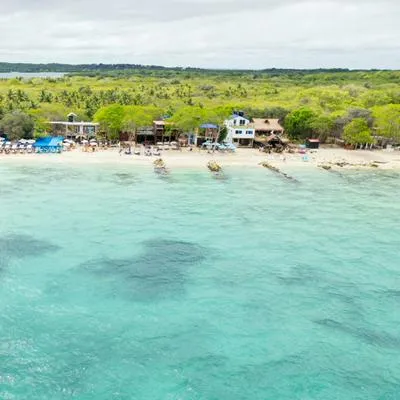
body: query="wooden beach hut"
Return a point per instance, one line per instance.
(312, 143)
(267, 127)
(208, 133)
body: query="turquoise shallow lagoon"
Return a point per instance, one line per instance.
(119, 284)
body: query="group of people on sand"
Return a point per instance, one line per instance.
(145, 149)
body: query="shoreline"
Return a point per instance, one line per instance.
(347, 159)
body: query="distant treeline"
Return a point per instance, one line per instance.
(92, 69)
(67, 68)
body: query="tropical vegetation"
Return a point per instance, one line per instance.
(321, 103)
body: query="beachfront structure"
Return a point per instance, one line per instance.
(272, 141)
(159, 130)
(269, 132)
(312, 143)
(207, 132)
(72, 128)
(267, 127)
(164, 131)
(210, 131)
(161, 133)
(240, 131)
(145, 135)
(150, 135)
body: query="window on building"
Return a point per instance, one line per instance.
(238, 132)
(242, 122)
(249, 132)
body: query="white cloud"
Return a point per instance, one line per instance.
(207, 33)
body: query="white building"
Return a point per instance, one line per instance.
(73, 128)
(241, 131)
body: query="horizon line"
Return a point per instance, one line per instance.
(127, 66)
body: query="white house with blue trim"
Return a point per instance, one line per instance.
(240, 130)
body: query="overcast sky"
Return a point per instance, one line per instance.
(204, 33)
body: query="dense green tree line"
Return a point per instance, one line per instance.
(115, 68)
(309, 103)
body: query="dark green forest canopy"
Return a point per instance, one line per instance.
(57, 67)
(128, 69)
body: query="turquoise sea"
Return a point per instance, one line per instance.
(116, 283)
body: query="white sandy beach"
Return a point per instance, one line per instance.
(198, 159)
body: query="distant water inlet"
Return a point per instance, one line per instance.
(30, 75)
(116, 284)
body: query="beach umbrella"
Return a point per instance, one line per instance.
(31, 141)
(84, 141)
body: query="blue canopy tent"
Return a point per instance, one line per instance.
(49, 145)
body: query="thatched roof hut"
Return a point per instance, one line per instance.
(267, 126)
(273, 140)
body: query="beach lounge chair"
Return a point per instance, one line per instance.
(208, 145)
(156, 151)
(230, 147)
(221, 147)
(147, 152)
(137, 151)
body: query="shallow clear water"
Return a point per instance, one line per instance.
(118, 284)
